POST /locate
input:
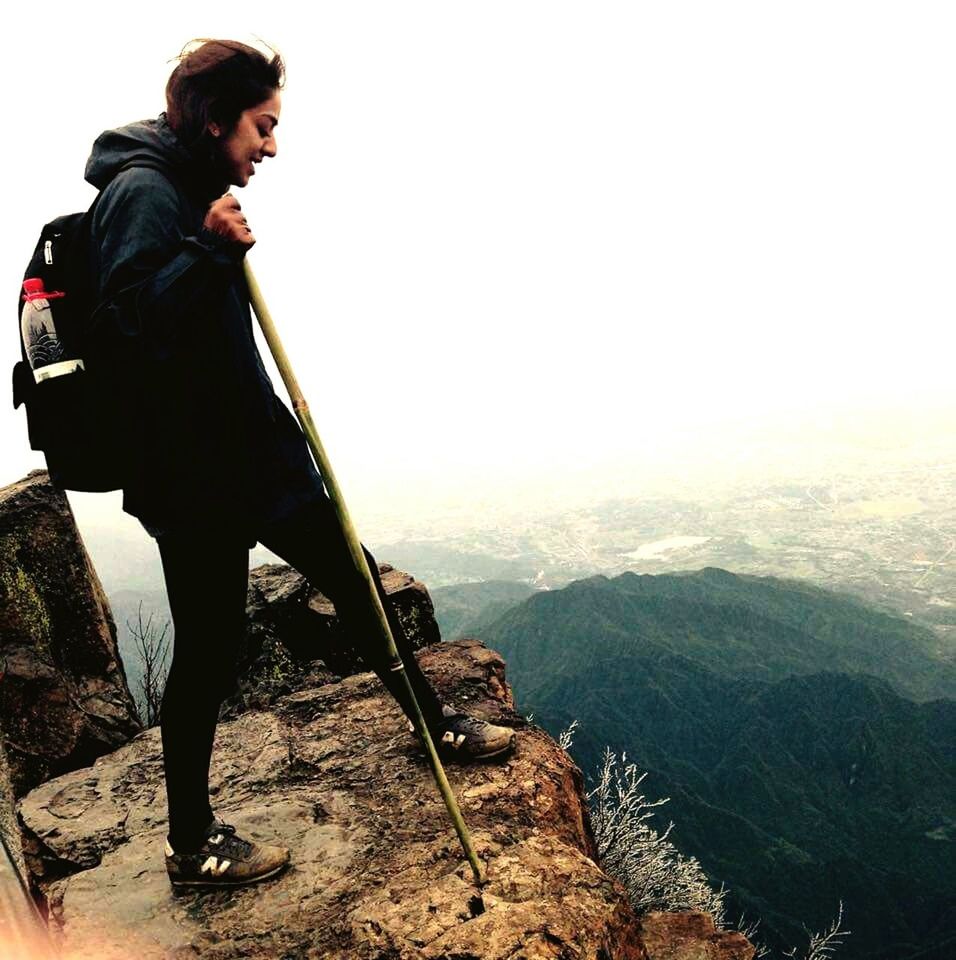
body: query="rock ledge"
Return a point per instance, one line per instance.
(332, 772)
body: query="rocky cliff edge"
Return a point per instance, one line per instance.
(378, 872)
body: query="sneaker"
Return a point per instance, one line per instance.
(468, 738)
(224, 860)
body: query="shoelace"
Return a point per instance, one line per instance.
(463, 723)
(230, 845)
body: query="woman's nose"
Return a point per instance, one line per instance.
(269, 147)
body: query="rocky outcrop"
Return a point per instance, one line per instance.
(9, 831)
(691, 936)
(63, 696)
(294, 639)
(378, 872)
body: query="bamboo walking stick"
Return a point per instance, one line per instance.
(301, 409)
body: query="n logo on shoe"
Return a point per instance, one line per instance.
(214, 866)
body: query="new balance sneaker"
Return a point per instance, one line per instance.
(463, 737)
(224, 860)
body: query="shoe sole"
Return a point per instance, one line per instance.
(228, 883)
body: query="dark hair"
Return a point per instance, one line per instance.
(216, 81)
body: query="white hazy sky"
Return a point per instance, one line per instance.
(531, 238)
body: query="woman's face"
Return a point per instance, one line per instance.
(252, 138)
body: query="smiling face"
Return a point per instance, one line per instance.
(251, 139)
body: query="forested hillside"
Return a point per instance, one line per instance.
(805, 740)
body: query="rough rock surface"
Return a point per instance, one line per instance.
(332, 772)
(294, 639)
(63, 695)
(8, 824)
(691, 936)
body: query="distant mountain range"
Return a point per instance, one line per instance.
(806, 741)
(464, 610)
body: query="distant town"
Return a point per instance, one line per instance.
(882, 528)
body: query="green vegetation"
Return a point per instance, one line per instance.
(24, 595)
(464, 610)
(783, 722)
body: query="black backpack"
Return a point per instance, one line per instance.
(81, 420)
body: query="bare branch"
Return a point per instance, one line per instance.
(567, 736)
(823, 945)
(153, 650)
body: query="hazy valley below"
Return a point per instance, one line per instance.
(884, 531)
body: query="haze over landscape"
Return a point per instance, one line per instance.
(558, 246)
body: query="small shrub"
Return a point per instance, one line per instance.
(655, 874)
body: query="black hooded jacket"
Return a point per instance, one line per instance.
(214, 447)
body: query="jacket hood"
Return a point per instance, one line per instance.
(155, 140)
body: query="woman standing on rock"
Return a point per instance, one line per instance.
(221, 464)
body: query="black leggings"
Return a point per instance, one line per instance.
(206, 582)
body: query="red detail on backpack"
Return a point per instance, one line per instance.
(33, 288)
